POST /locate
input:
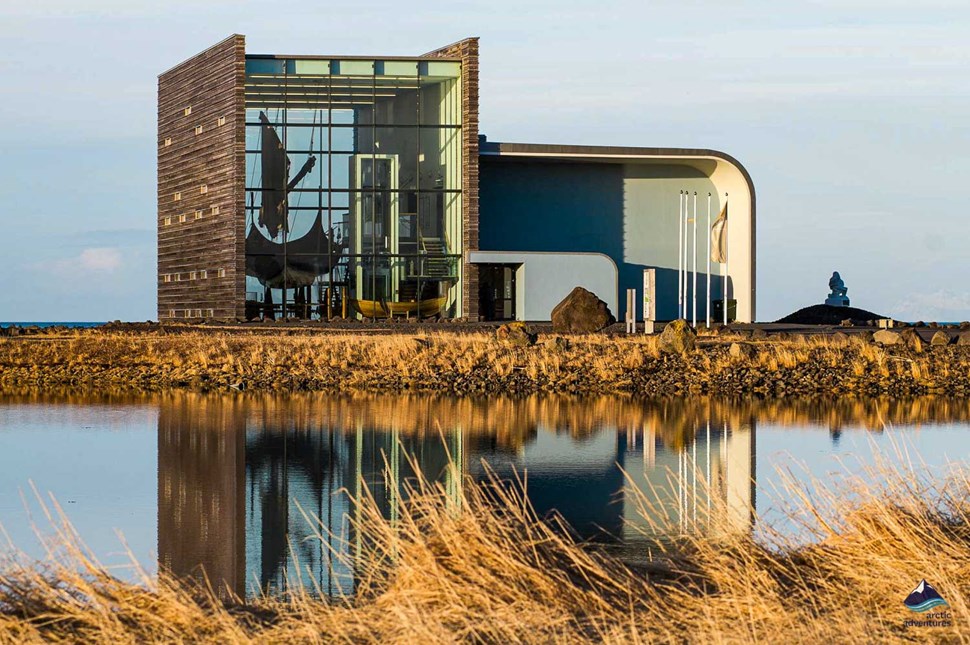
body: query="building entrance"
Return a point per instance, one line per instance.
(496, 291)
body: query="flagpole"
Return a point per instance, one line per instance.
(694, 277)
(725, 287)
(707, 291)
(680, 254)
(686, 218)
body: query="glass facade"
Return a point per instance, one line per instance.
(353, 188)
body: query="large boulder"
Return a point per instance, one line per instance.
(517, 333)
(581, 312)
(677, 338)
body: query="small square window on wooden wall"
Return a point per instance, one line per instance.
(178, 197)
(221, 121)
(187, 111)
(222, 273)
(198, 214)
(215, 210)
(203, 189)
(198, 129)
(168, 142)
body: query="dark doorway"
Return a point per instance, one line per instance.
(496, 291)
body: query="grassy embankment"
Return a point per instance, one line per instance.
(492, 573)
(477, 362)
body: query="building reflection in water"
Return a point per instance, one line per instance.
(239, 476)
(707, 483)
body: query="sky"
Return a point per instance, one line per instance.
(850, 115)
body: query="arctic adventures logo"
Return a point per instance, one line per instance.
(922, 599)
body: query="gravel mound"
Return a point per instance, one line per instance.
(829, 315)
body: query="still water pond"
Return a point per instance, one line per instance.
(224, 482)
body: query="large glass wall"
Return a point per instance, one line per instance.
(353, 188)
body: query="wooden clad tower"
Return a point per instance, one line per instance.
(201, 185)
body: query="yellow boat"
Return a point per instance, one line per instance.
(377, 309)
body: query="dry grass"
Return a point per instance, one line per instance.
(487, 570)
(474, 362)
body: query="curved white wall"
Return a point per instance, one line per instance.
(728, 178)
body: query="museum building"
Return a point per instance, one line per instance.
(316, 187)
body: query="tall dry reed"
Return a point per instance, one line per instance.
(483, 568)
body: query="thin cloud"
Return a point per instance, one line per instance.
(100, 259)
(943, 304)
(103, 260)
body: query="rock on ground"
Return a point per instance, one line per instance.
(581, 312)
(886, 337)
(739, 350)
(517, 333)
(912, 339)
(557, 343)
(940, 338)
(677, 338)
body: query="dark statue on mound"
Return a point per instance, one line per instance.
(837, 297)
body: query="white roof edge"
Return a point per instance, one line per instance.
(586, 155)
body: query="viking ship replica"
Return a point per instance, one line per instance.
(387, 309)
(288, 263)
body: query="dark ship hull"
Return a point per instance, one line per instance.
(295, 263)
(288, 263)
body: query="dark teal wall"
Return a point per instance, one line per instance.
(542, 206)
